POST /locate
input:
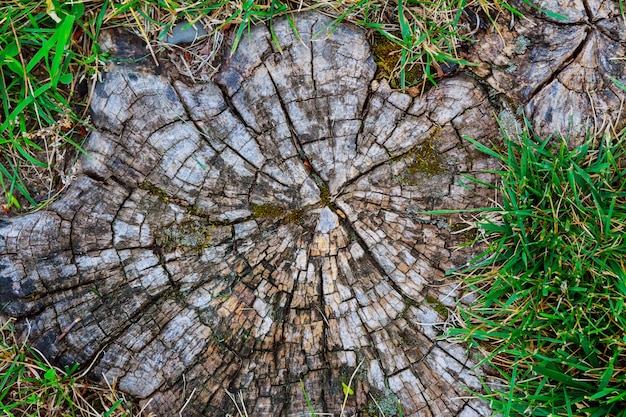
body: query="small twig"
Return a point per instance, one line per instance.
(67, 329)
(93, 362)
(243, 404)
(145, 406)
(323, 316)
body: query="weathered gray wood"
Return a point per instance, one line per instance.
(264, 231)
(261, 233)
(559, 71)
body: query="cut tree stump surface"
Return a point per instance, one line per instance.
(559, 71)
(264, 235)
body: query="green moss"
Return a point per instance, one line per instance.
(386, 56)
(325, 194)
(425, 160)
(295, 216)
(154, 190)
(267, 210)
(271, 211)
(325, 197)
(438, 306)
(188, 234)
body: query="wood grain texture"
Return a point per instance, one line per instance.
(260, 234)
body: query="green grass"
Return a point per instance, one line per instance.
(30, 386)
(35, 81)
(550, 291)
(49, 60)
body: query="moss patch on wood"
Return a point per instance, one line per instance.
(152, 189)
(326, 199)
(438, 306)
(386, 57)
(267, 210)
(425, 161)
(271, 211)
(295, 216)
(190, 234)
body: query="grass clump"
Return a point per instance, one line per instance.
(549, 313)
(40, 94)
(30, 386)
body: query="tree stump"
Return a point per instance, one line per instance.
(265, 235)
(261, 235)
(560, 71)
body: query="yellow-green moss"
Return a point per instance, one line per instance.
(190, 234)
(154, 190)
(295, 216)
(325, 197)
(425, 160)
(386, 57)
(271, 211)
(438, 306)
(267, 210)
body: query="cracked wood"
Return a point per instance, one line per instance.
(560, 72)
(260, 232)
